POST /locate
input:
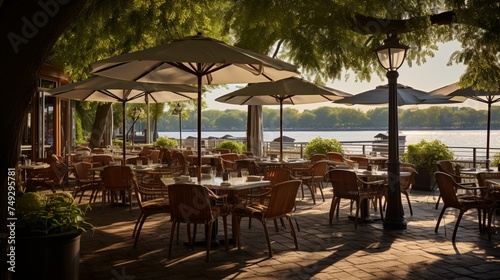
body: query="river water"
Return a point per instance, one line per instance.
(452, 138)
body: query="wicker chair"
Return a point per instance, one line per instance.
(312, 177)
(281, 204)
(152, 199)
(346, 184)
(447, 187)
(117, 178)
(201, 211)
(339, 159)
(86, 182)
(406, 183)
(446, 166)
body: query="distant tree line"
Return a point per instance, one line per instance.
(334, 118)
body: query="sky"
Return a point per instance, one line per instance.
(432, 75)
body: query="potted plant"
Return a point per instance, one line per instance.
(424, 156)
(48, 230)
(166, 142)
(322, 146)
(235, 146)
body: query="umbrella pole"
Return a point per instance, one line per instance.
(198, 169)
(281, 129)
(488, 138)
(148, 120)
(124, 144)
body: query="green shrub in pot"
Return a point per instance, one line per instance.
(425, 154)
(319, 145)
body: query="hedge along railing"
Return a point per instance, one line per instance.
(466, 156)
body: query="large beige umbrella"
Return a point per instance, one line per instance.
(195, 60)
(290, 91)
(487, 97)
(105, 89)
(406, 96)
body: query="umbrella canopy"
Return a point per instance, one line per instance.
(487, 97)
(195, 60)
(287, 91)
(105, 89)
(406, 96)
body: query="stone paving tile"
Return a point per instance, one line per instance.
(336, 251)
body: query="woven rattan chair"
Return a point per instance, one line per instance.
(447, 167)
(312, 178)
(117, 179)
(85, 181)
(191, 204)
(406, 183)
(447, 187)
(281, 204)
(152, 199)
(346, 184)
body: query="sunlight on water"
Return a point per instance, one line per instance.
(452, 138)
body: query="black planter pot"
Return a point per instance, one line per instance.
(52, 257)
(424, 180)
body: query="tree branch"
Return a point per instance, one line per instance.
(371, 25)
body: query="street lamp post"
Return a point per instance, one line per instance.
(178, 111)
(391, 56)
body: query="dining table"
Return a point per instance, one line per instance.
(217, 184)
(366, 217)
(26, 168)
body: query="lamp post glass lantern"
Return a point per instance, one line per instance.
(178, 111)
(391, 56)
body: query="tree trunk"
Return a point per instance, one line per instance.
(28, 30)
(100, 123)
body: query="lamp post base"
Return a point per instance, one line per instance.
(394, 224)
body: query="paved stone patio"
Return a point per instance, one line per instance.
(336, 251)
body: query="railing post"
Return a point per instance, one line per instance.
(474, 156)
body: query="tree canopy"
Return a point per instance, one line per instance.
(323, 37)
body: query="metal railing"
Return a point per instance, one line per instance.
(466, 156)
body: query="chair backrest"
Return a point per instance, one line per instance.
(406, 181)
(81, 171)
(277, 175)
(317, 157)
(282, 200)
(344, 182)
(223, 151)
(103, 160)
(189, 203)
(60, 170)
(155, 155)
(445, 166)
(149, 190)
(336, 157)
(483, 176)
(361, 160)
(228, 161)
(320, 167)
(447, 188)
(117, 177)
(230, 156)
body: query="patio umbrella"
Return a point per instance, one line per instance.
(406, 96)
(287, 91)
(487, 97)
(195, 60)
(105, 89)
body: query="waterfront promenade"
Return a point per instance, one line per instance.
(326, 251)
